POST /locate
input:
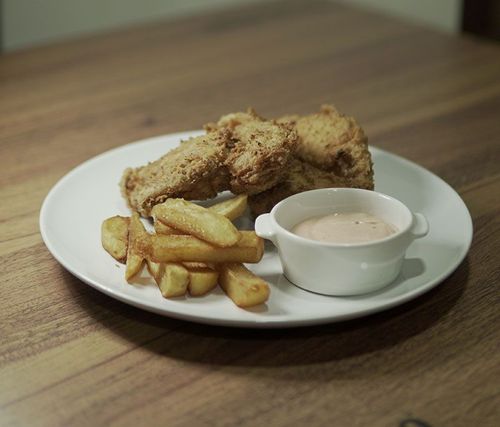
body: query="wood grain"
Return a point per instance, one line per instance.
(72, 356)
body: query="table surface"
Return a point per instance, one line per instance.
(70, 355)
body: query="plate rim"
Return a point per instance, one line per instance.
(247, 323)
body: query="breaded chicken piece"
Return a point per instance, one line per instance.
(259, 157)
(268, 160)
(331, 151)
(302, 176)
(259, 153)
(232, 120)
(331, 141)
(194, 170)
(242, 152)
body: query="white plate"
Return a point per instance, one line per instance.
(71, 216)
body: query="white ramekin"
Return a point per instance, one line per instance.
(340, 269)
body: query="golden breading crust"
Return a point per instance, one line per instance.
(232, 120)
(242, 152)
(331, 141)
(331, 151)
(259, 153)
(194, 170)
(258, 159)
(302, 176)
(266, 159)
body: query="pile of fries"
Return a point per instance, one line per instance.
(192, 250)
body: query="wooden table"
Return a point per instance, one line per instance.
(71, 356)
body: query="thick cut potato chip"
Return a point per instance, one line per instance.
(197, 221)
(242, 286)
(194, 248)
(171, 278)
(174, 280)
(179, 248)
(192, 264)
(138, 240)
(231, 209)
(196, 264)
(114, 237)
(153, 268)
(202, 279)
(162, 228)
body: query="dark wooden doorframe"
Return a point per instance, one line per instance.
(482, 17)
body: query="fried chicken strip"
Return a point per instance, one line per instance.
(232, 120)
(331, 141)
(302, 176)
(260, 151)
(194, 170)
(242, 152)
(259, 157)
(266, 159)
(331, 151)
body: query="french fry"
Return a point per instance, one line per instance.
(114, 237)
(171, 278)
(179, 248)
(231, 208)
(138, 239)
(193, 264)
(197, 221)
(153, 268)
(193, 249)
(196, 264)
(175, 280)
(202, 279)
(162, 228)
(242, 286)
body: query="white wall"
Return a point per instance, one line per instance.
(443, 15)
(34, 22)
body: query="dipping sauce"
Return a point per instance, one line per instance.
(352, 227)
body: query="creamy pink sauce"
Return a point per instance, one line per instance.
(352, 227)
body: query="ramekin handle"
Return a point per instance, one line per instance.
(420, 226)
(264, 229)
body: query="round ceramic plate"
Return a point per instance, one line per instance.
(72, 213)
